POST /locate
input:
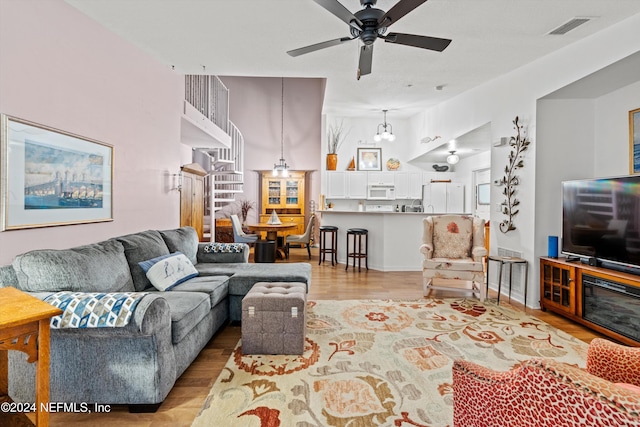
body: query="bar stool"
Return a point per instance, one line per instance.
(357, 253)
(333, 250)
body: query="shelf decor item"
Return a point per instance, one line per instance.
(393, 164)
(510, 181)
(335, 138)
(51, 177)
(369, 159)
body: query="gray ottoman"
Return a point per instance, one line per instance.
(274, 318)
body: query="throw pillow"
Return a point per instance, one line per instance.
(452, 239)
(166, 271)
(224, 247)
(631, 387)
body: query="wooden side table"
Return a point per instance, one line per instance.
(24, 326)
(510, 261)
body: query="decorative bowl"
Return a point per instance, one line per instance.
(393, 164)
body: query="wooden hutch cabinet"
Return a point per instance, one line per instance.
(286, 196)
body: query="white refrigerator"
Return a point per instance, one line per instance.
(443, 197)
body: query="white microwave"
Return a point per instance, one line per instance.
(381, 192)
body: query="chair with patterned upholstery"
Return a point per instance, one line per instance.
(453, 249)
(546, 392)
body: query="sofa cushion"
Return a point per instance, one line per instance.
(140, 247)
(216, 286)
(187, 310)
(244, 276)
(99, 267)
(166, 271)
(183, 239)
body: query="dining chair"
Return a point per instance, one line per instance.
(239, 236)
(302, 239)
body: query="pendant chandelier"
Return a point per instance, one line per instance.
(387, 130)
(281, 168)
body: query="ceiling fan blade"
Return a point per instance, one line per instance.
(398, 11)
(335, 7)
(318, 46)
(424, 42)
(366, 59)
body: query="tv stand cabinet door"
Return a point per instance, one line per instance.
(557, 286)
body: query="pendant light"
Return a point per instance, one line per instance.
(281, 168)
(387, 131)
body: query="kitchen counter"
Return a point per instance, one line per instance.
(394, 237)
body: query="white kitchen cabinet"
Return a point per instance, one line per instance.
(381, 178)
(408, 185)
(356, 185)
(443, 197)
(336, 185)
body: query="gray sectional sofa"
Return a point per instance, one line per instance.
(136, 364)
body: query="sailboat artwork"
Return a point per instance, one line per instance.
(273, 219)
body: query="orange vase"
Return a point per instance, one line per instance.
(332, 162)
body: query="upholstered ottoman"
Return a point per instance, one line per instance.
(274, 318)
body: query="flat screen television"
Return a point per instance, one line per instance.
(601, 221)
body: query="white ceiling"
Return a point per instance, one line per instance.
(251, 37)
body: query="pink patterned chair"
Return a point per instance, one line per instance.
(453, 249)
(545, 392)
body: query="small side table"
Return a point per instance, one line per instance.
(510, 261)
(24, 326)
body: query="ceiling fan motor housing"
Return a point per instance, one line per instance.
(369, 18)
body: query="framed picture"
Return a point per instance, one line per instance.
(50, 177)
(634, 140)
(369, 159)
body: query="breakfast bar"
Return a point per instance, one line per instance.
(394, 237)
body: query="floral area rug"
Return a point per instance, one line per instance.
(379, 363)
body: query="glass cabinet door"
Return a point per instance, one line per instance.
(292, 189)
(275, 192)
(558, 283)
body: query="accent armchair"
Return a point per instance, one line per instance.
(302, 239)
(453, 249)
(239, 236)
(545, 392)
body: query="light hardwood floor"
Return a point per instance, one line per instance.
(188, 394)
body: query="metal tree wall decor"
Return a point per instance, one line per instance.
(510, 181)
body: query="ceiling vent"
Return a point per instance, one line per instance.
(568, 26)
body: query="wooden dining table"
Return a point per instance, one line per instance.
(272, 233)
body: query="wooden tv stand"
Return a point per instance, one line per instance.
(561, 290)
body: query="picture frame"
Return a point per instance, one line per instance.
(634, 141)
(483, 194)
(369, 159)
(51, 177)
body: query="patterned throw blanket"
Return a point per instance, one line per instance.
(93, 310)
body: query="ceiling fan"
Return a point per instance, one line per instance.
(369, 24)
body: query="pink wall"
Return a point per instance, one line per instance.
(255, 108)
(61, 69)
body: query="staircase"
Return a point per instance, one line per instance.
(224, 165)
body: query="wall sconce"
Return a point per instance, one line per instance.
(177, 181)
